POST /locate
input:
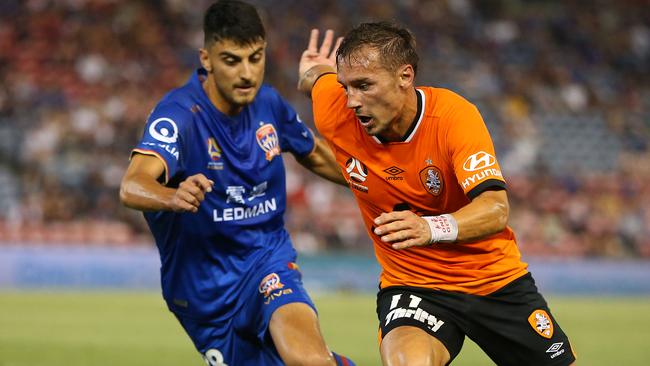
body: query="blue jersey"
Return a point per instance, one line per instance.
(208, 258)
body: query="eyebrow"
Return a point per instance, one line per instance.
(230, 54)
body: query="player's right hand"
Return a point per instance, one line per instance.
(190, 193)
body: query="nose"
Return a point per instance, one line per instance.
(354, 101)
(246, 71)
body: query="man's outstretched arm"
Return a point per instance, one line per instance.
(322, 162)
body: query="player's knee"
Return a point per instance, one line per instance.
(400, 358)
(308, 359)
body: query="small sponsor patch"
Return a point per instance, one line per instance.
(164, 130)
(270, 283)
(541, 323)
(214, 151)
(478, 161)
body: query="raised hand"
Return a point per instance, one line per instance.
(325, 55)
(190, 193)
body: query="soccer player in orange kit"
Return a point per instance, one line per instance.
(422, 167)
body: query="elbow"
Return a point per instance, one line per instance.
(125, 195)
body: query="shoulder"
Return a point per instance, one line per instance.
(268, 93)
(445, 101)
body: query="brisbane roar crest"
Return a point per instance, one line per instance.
(268, 140)
(431, 178)
(541, 322)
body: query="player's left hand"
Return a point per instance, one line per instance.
(325, 55)
(402, 229)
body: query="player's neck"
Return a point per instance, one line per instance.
(219, 102)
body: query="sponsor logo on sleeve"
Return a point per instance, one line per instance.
(164, 130)
(478, 161)
(431, 178)
(541, 322)
(267, 139)
(481, 163)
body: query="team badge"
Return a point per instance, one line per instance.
(269, 284)
(541, 323)
(214, 152)
(268, 140)
(431, 178)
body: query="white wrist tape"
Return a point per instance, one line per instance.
(444, 228)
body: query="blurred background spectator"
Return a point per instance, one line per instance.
(562, 85)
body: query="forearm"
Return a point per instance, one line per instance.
(322, 162)
(332, 174)
(486, 215)
(309, 77)
(140, 192)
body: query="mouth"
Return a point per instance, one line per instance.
(364, 120)
(244, 88)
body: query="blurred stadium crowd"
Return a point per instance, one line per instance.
(563, 87)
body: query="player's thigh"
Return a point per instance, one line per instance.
(412, 346)
(220, 344)
(408, 314)
(514, 326)
(296, 334)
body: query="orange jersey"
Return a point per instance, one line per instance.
(446, 158)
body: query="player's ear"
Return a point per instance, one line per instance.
(406, 76)
(204, 57)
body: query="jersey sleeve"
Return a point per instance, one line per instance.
(472, 151)
(295, 137)
(329, 104)
(163, 137)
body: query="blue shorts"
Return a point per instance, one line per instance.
(244, 339)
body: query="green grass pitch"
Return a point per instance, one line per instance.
(123, 328)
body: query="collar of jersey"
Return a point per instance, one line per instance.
(414, 125)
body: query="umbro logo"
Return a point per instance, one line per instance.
(555, 347)
(394, 173)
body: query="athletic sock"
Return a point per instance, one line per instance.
(342, 360)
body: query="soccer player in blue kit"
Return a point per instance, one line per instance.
(210, 179)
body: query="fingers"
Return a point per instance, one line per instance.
(313, 41)
(191, 193)
(402, 229)
(202, 182)
(327, 43)
(387, 217)
(332, 56)
(185, 201)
